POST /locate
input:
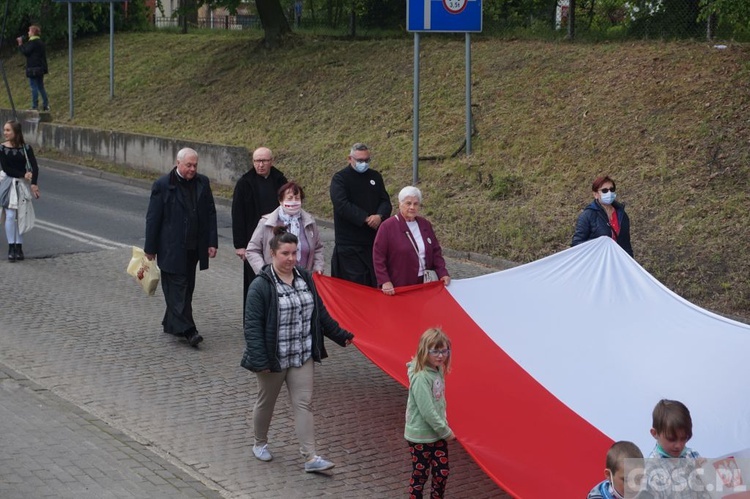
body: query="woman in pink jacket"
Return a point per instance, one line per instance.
(406, 250)
(298, 222)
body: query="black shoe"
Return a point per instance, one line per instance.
(193, 338)
(19, 253)
(46, 109)
(11, 252)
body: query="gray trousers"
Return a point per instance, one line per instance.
(299, 384)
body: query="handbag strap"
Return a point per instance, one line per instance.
(26, 155)
(410, 236)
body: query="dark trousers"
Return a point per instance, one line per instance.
(353, 263)
(423, 458)
(178, 294)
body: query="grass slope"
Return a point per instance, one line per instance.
(669, 121)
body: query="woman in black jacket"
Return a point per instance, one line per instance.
(285, 322)
(36, 65)
(604, 217)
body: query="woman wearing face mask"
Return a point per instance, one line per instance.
(298, 222)
(604, 217)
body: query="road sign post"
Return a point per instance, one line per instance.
(442, 16)
(111, 45)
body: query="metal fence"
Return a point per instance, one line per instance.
(215, 22)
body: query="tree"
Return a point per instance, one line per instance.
(275, 24)
(88, 18)
(735, 13)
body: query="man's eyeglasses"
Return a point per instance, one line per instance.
(261, 161)
(606, 190)
(444, 352)
(361, 160)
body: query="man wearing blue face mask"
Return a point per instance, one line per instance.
(360, 204)
(604, 217)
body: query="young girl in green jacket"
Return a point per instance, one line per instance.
(427, 430)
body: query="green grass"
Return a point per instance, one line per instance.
(669, 121)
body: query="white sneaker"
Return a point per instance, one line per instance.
(262, 453)
(317, 463)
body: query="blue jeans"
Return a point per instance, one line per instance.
(37, 87)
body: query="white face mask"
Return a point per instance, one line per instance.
(291, 207)
(615, 494)
(607, 198)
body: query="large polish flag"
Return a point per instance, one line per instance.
(555, 360)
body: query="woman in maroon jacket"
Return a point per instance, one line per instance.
(406, 248)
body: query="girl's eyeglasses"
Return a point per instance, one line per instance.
(444, 352)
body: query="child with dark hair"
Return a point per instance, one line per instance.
(672, 427)
(672, 470)
(614, 485)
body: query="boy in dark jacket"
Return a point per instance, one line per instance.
(36, 65)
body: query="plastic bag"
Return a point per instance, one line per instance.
(429, 276)
(145, 271)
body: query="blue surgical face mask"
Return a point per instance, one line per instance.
(608, 198)
(361, 166)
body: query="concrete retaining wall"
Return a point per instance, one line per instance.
(222, 164)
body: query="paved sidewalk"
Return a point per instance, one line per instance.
(96, 402)
(53, 449)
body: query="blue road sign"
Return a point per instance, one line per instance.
(451, 16)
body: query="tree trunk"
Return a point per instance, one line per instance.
(275, 23)
(572, 20)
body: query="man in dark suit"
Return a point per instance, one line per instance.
(360, 204)
(181, 232)
(255, 195)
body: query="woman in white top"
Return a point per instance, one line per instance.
(406, 250)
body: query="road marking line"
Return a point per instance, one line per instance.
(79, 236)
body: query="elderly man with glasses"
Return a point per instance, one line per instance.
(255, 194)
(360, 204)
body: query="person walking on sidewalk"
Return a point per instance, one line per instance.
(18, 163)
(360, 204)
(36, 65)
(299, 222)
(181, 232)
(255, 195)
(285, 321)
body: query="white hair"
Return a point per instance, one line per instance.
(263, 149)
(186, 151)
(407, 191)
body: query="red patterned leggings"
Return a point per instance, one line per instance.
(424, 457)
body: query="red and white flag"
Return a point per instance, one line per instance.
(555, 360)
